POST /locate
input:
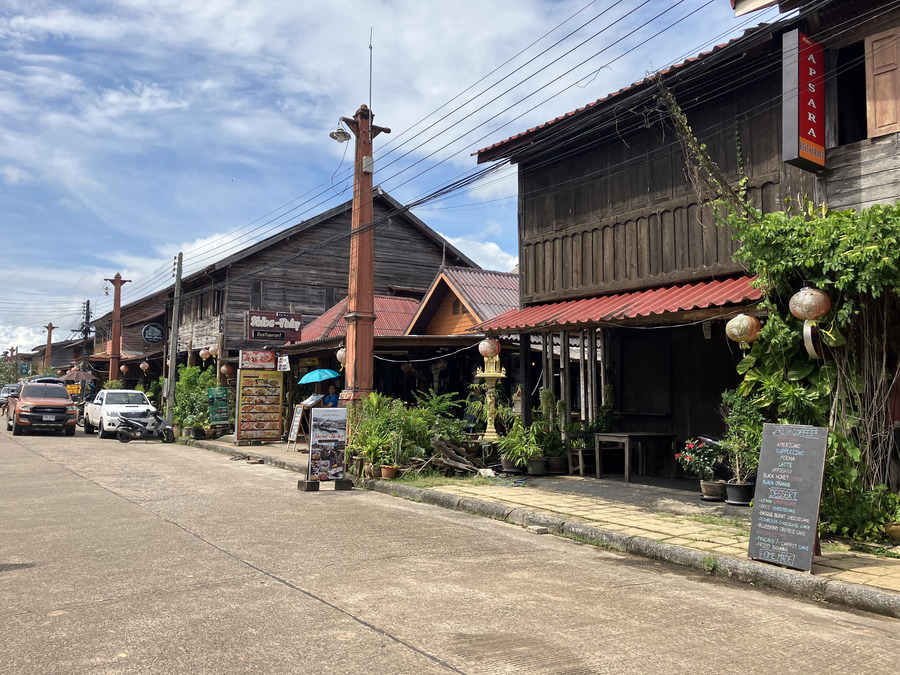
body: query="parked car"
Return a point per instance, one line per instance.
(102, 414)
(40, 405)
(49, 379)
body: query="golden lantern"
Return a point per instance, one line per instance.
(810, 304)
(743, 329)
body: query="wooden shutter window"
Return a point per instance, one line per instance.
(883, 82)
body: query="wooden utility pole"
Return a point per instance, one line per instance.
(360, 316)
(48, 352)
(115, 349)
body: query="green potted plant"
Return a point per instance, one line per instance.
(699, 457)
(520, 447)
(741, 445)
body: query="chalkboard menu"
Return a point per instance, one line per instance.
(788, 490)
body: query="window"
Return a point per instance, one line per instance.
(256, 291)
(867, 85)
(456, 306)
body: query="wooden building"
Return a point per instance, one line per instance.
(420, 344)
(619, 248)
(302, 270)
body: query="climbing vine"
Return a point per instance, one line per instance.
(852, 255)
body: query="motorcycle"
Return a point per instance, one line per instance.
(135, 430)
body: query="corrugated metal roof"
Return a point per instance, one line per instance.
(610, 308)
(486, 292)
(392, 316)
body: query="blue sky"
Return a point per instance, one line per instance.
(131, 130)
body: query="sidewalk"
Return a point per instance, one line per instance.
(658, 521)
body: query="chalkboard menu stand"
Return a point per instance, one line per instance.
(785, 523)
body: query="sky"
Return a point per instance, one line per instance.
(132, 130)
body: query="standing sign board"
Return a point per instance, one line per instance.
(327, 440)
(218, 406)
(788, 491)
(259, 405)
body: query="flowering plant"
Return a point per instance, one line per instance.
(698, 458)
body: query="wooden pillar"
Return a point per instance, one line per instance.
(565, 389)
(115, 350)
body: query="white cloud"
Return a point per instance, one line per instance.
(13, 175)
(486, 253)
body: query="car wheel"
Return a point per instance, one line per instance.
(88, 427)
(101, 430)
(16, 429)
(70, 431)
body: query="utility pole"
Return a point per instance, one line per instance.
(48, 352)
(173, 344)
(360, 316)
(85, 334)
(116, 347)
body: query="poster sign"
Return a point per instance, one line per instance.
(257, 359)
(788, 490)
(803, 102)
(218, 406)
(284, 363)
(259, 405)
(327, 440)
(260, 325)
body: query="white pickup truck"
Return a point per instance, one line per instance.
(103, 413)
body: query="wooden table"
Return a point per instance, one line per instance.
(628, 439)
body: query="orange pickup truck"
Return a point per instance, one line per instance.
(41, 406)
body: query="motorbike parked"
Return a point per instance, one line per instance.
(135, 430)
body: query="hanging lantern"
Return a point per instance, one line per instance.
(810, 304)
(124, 368)
(204, 353)
(341, 355)
(144, 366)
(489, 347)
(226, 369)
(743, 329)
(214, 351)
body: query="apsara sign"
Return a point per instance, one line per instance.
(803, 102)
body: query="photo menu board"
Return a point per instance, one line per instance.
(259, 405)
(788, 491)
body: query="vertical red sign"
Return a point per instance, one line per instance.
(812, 101)
(803, 102)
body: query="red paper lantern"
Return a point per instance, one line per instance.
(204, 353)
(123, 368)
(145, 366)
(226, 369)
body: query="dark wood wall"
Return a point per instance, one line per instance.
(309, 271)
(618, 212)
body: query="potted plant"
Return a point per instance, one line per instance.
(699, 457)
(741, 444)
(519, 446)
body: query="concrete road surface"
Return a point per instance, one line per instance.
(151, 558)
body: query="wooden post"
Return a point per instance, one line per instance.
(115, 350)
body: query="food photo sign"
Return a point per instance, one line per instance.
(259, 405)
(327, 440)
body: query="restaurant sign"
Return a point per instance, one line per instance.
(260, 325)
(803, 102)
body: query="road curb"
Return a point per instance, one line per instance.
(854, 596)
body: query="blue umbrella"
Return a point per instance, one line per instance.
(318, 376)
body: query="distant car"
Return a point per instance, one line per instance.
(102, 414)
(40, 405)
(5, 391)
(49, 379)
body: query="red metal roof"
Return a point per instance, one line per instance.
(488, 293)
(610, 308)
(392, 316)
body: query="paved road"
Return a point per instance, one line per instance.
(145, 558)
